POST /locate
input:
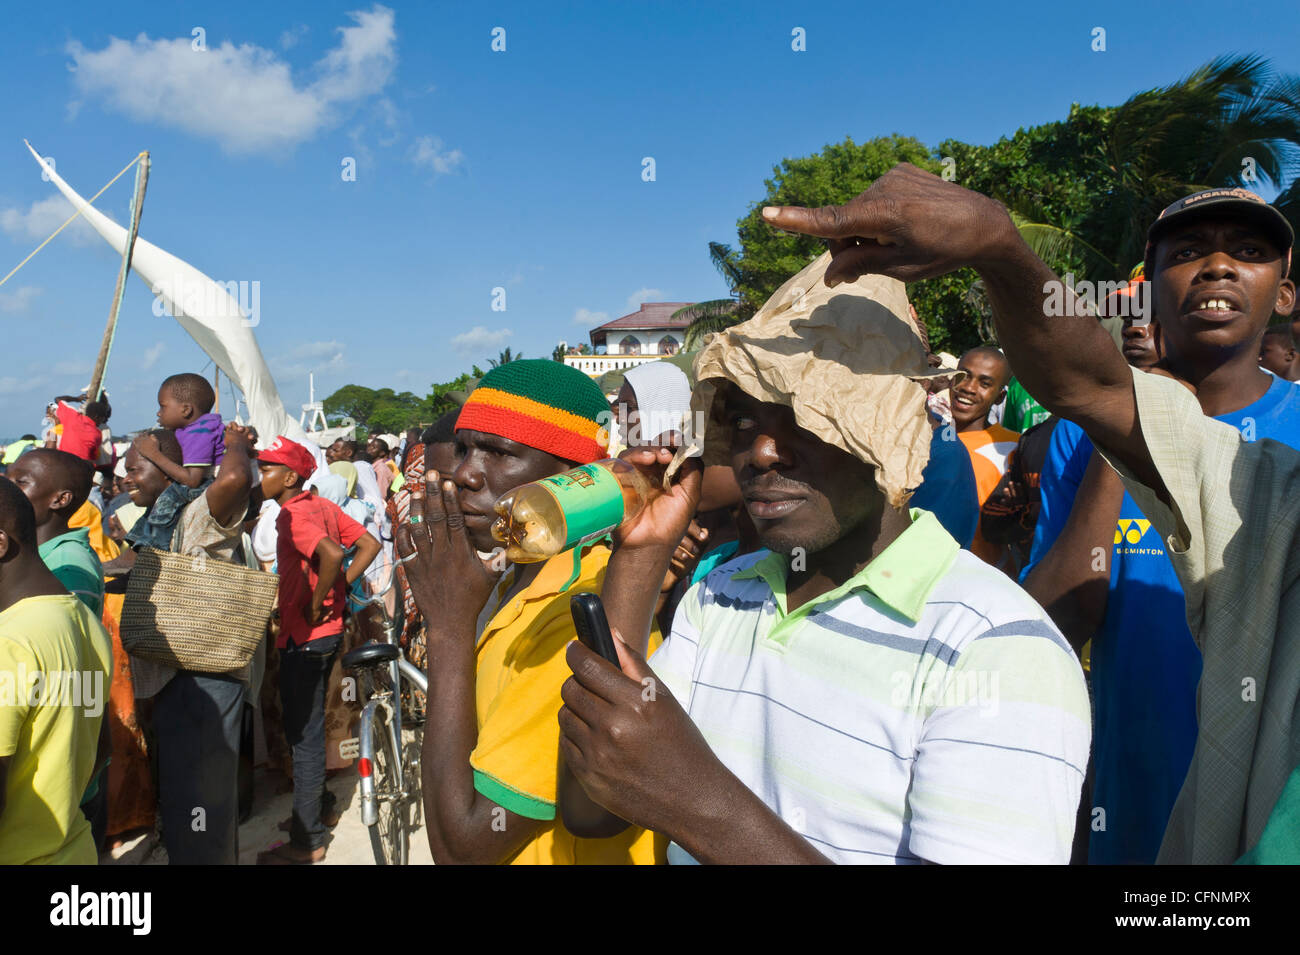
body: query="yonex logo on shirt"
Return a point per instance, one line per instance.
(1131, 531)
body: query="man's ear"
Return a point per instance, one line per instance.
(1285, 303)
(60, 500)
(5, 544)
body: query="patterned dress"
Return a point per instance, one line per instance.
(411, 625)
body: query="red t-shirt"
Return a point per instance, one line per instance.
(301, 525)
(80, 435)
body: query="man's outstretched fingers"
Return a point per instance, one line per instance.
(828, 222)
(418, 530)
(435, 515)
(451, 507)
(854, 261)
(402, 541)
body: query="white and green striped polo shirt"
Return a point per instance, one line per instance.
(927, 709)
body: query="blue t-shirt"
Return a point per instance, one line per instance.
(947, 488)
(1145, 665)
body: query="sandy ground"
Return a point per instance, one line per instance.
(349, 845)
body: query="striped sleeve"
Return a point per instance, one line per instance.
(1002, 751)
(674, 661)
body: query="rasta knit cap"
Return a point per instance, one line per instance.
(544, 404)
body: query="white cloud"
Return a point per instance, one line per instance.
(18, 300)
(151, 355)
(43, 217)
(391, 119)
(641, 296)
(479, 338)
(589, 319)
(428, 151)
(20, 386)
(242, 97)
(309, 357)
(72, 367)
(290, 38)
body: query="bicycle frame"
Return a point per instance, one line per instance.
(393, 722)
(387, 700)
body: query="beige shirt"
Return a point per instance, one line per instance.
(1233, 536)
(199, 533)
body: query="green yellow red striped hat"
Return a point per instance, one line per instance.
(544, 404)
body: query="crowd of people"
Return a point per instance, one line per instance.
(1029, 604)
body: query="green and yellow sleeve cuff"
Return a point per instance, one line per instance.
(521, 804)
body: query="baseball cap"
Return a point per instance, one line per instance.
(1235, 203)
(291, 454)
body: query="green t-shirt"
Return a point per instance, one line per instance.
(71, 559)
(1022, 412)
(1280, 842)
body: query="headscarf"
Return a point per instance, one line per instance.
(334, 488)
(348, 471)
(663, 398)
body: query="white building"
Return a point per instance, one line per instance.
(647, 334)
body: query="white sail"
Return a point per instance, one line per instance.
(205, 309)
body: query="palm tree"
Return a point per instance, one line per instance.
(1288, 203)
(1230, 122)
(719, 313)
(504, 357)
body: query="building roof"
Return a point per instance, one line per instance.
(650, 315)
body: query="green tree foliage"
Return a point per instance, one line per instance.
(441, 400)
(766, 257)
(393, 412)
(1082, 190)
(376, 410)
(504, 357)
(351, 401)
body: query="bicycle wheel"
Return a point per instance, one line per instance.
(411, 747)
(389, 834)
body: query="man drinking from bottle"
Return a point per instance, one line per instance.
(489, 772)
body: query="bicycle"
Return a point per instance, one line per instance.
(389, 770)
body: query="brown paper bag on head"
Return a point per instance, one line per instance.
(847, 360)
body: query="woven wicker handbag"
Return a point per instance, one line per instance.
(195, 613)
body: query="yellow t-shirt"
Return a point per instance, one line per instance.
(520, 670)
(88, 516)
(49, 727)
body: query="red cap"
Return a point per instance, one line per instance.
(291, 454)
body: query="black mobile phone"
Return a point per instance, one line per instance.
(593, 629)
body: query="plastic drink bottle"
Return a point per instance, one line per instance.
(547, 517)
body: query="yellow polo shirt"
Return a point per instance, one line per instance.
(520, 669)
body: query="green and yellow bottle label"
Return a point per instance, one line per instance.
(591, 498)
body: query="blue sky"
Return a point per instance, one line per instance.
(478, 169)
